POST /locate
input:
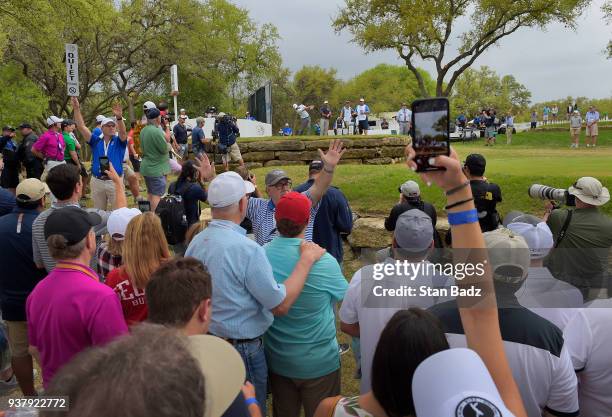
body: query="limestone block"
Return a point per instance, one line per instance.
(370, 232)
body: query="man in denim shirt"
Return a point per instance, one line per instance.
(245, 294)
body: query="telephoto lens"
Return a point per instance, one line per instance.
(544, 192)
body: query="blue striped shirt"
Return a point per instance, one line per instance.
(261, 213)
(244, 288)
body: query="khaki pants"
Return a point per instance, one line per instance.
(404, 128)
(509, 134)
(18, 338)
(289, 394)
(324, 127)
(102, 193)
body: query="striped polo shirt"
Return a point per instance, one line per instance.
(261, 213)
(40, 250)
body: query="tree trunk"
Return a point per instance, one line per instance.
(131, 111)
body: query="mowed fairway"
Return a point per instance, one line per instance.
(533, 157)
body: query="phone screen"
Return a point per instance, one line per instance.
(144, 206)
(430, 131)
(104, 165)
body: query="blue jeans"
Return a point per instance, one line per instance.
(254, 359)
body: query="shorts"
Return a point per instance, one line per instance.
(127, 171)
(135, 163)
(18, 338)
(363, 125)
(156, 185)
(490, 132)
(592, 130)
(545, 117)
(233, 154)
(574, 131)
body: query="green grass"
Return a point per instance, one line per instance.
(533, 157)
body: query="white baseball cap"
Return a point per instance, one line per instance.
(100, 117)
(295, 106)
(108, 120)
(118, 221)
(149, 105)
(223, 371)
(326, 102)
(509, 255)
(589, 190)
(227, 189)
(539, 238)
(51, 120)
(456, 383)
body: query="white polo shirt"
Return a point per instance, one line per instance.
(555, 300)
(538, 357)
(404, 115)
(373, 313)
(589, 339)
(301, 111)
(361, 111)
(347, 114)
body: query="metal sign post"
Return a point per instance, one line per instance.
(174, 87)
(72, 69)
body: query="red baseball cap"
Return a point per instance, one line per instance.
(293, 206)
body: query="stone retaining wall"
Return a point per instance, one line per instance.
(377, 151)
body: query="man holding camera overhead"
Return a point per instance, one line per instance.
(109, 147)
(583, 237)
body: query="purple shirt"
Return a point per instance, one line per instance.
(69, 311)
(51, 145)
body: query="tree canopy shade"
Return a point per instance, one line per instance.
(483, 88)
(428, 30)
(607, 9)
(21, 100)
(384, 87)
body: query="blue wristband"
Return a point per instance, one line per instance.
(463, 217)
(250, 401)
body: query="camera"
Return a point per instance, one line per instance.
(544, 192)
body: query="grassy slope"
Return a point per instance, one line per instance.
(533, 157)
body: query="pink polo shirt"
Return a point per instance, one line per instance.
(51, 145)
(69, 311)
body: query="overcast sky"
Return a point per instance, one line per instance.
(553, 64)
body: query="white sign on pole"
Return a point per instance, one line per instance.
(72, 69)
(174, 78)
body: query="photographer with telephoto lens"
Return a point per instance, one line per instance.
(582, 236)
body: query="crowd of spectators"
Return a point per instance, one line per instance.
(244, 310)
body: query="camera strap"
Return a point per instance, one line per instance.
(568, 219)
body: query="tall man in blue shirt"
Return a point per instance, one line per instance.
(245, 295)
(333, 218)
(592, 119)
(20, 275)
(109, 145)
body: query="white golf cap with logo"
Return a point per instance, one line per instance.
(456, 383)
(51, 120)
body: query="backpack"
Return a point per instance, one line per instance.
(171, 211)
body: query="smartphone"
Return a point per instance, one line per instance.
(104, 165)
(430, 131)
(144, 205)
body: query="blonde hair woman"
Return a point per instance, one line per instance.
(144, 249)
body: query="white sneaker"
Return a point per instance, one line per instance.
(588, 146)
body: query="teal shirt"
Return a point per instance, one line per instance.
(302, 344)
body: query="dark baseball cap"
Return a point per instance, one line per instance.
(5, 128)
(275, 176)
(152, 113)
(315, 166)
(25, 125)
(73, 223)
(476, 163)
(68, 122)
